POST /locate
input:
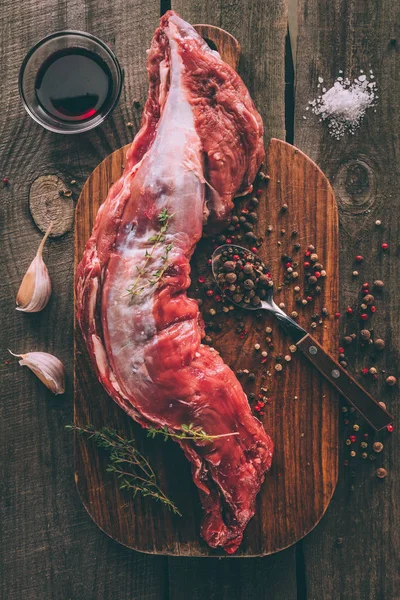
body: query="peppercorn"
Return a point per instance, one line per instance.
(282, 305)
(365, 334)
(251, 376)
(347, 340)
(391, 380)
(363, 306)
(312, 280)
(324, 312)
(257, 346)
(378, 284)
(292, 348)
(288, 358)
(355, 273)
(377, 447)
(348, 442)
(5, 180)
(364, 445)
(364, 317)
(294, 314)
(314, 258)
(270, 229)
(237, 298)
(379, 344)
(353, 453)
(381, 473)
(284, 207)
(278, 367)
(364, 455)
(229, 265)
(369, 299)
(306, 264)
(296, 246)
(230, 277)
(385, 246)
(378, 223)
(373, 371)
(337, 315)
(248, 284)
(390, 428)
(359, 258)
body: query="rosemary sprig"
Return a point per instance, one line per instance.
(189, 432)
(138, 286)
(132, 468)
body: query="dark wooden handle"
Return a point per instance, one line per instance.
(369, 408)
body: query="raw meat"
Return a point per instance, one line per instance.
(199, 146)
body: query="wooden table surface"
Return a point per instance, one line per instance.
(50, 548)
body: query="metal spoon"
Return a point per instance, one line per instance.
(376, 416)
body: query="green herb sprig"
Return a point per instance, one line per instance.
(189, 432)
(132, 468)
(138, 286)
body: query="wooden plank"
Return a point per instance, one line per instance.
(268, 578)
(50, 549)
(364, 170)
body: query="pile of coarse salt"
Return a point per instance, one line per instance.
(344, 105)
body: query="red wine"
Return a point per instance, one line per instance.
(73, 84)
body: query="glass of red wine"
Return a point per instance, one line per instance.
(70, 82)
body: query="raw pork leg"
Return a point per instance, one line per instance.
(195, 151)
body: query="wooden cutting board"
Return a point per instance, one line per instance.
(302, 416)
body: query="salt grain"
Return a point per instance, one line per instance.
(344, 105)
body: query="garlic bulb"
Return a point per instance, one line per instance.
(46, 367)
(35, 289)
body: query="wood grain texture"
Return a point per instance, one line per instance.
(364, 170)
(50, 549)
(304, 409)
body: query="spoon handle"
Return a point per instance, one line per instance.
(369, 408)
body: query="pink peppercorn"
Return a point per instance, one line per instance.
(201, 279)
(390, 428)
(385, 246)
(288, 264)
(228, 241)
(209, 261)
(372, 309)
(5, 180)
(359, 258)
(365, 371)
(254, 249)
(306, 264)
(349, 310)
(236, 257)
(337, 315)
(364, 317)
(352, 438)
(217, 298)
(309, 298)
(210, 293)
(258, 192)
(365, 286)
(341, 350)
(317, 274)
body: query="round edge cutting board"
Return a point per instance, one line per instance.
(301, 415)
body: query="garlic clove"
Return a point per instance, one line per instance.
(48, 368)
(35, 289)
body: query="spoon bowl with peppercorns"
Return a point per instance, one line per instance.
(247, 282)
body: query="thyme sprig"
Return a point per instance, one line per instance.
(138, 286)
(189, 432)
(132, 468)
